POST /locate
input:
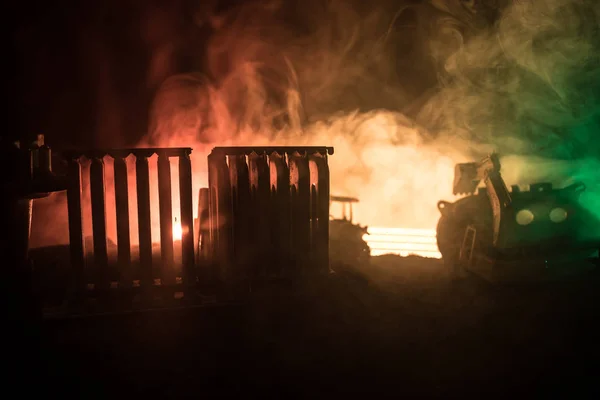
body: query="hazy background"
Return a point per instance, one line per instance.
(402, 89)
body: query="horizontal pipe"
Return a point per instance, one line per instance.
(427, 254)
(399, 239)
(401, 231)
(124, 153)
(404, 246)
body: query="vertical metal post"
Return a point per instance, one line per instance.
(187, 219)
(322, 238)
(122, 217)
(220, 213)
(300, 209)
(203, 239)
(76, 243)
(144, 223)
(205, 268)
(260, 191)
(314, 215)
(99, 222)
(240, 201)
(212, 209)
(280, 209)
(166, 218)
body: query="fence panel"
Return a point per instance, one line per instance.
(269, 211)
(113, 279)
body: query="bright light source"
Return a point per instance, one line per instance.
(524, 217)
(400, 231)
(177, 231)
(402, 241)
(558, 215)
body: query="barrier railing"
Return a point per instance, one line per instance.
(264, 215)
(266, 212)
(101, 277)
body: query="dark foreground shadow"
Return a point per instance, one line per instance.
(398, 328)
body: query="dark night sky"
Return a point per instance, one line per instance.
(82, 67)
(76, 62)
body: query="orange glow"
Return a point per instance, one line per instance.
(402, 241)
(381, 157)
(412, 193)
(177, 231)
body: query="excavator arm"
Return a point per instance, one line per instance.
(467, 177)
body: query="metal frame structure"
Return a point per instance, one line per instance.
(100, 278)
(267, 212)
(264, 215)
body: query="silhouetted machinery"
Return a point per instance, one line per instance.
(346, 244)
(28, 176)
(503, 234)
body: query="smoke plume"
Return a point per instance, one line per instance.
(519, 78)
(402, 89)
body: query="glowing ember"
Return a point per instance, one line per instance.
(177, 231)
(402, 241)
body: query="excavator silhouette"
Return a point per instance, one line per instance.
(507, 235)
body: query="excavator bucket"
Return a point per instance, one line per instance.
(465, 178)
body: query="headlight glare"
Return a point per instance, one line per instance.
(558, 215)
(524, 217)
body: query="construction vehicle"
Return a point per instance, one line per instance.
(346, 244)
(507, 235)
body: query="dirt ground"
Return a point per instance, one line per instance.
(398, 328)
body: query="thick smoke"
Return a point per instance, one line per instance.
(402, 89)
(518, 78)
(529, 87)
(528, 84)
(323, 74)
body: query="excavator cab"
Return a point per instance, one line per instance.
(346, 244)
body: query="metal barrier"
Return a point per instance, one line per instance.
(265, 212)
(100, 277)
